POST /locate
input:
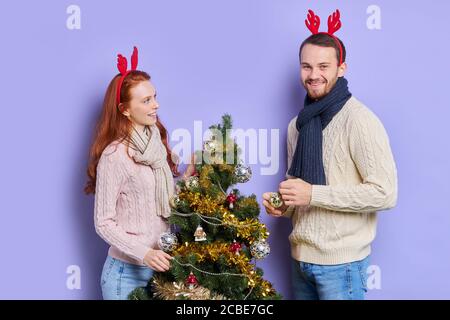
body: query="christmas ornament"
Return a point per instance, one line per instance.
(168, 241)
(175, 201)
(199, 234)
(242, 173)
(191, 281)
(260, 249)
(235, 247)
(275, 200)
(210, 146)
(192, 183)
(231, 198)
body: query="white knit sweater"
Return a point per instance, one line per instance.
(340, 223)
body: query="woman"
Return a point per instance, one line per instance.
(131, 173)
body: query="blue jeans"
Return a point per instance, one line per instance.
(346, 281)
(120, 278)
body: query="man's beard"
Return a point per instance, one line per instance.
(325, 88)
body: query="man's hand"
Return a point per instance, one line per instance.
(296, 192)
(270, 209)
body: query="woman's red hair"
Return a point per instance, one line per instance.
(113, 125)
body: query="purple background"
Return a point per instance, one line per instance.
(206, 58)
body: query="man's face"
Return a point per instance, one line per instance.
(319, 70)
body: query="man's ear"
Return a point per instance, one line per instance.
(342, 69)
(123, 110)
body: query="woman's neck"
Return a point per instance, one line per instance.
(139, 128)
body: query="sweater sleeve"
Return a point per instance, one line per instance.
(369, 148)
(291, 145)
(110, 177)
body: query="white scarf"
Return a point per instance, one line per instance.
(150, 151)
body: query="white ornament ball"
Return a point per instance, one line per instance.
(210, 146)
(260, 249)
(168, 242)
(192, 183)
(175, 201)
(242, 173)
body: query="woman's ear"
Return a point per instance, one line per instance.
(123, 110)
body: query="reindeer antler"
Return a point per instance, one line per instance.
(122, 64)
(312, 22)
(334, 22)
(134, 59)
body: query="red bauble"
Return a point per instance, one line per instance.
(231, 199)
(235, 247)
(191, 279)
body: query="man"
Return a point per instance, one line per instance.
(341, 171)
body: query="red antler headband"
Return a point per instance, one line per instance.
(334, 24)
(122, 65)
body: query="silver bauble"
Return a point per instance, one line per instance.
(242, 173)
(260, 249)
(168, 241)
(192, 183)
(275, 200)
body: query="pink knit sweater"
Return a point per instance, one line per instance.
(125, 205)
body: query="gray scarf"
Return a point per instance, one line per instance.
(150, 151)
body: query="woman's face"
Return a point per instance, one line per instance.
(141, 110)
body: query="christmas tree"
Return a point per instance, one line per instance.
(216, 236)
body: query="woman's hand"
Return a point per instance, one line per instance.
(158, 260)
(190, 169)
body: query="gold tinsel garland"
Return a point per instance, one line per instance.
(203, 204)
(246, 229)
(213, 251)
(226, 168)
(165, 290)
(204, 179)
